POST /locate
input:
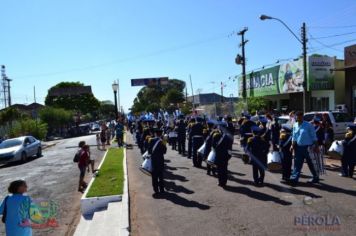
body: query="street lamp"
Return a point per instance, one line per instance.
(115, 88)
(303, 41)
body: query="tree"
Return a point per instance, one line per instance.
(256, 104)
(107, 109)
(56, 117)
(152, 98)
(85, 103)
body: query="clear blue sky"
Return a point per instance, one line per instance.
(44, 42)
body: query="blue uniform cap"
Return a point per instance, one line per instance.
(263, 120)
(256, 130)
(287, 128)
(352, 127)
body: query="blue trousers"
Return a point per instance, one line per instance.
(301, 153)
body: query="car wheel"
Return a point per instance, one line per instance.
(24, 157)
(39, 152)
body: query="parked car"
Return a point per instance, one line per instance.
(19, 149)
(95, 127)
(339, 120)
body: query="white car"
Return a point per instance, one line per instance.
(339, 120)
(19, 149)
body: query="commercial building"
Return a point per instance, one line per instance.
(209, 99)
(282, 85)
(350, 78)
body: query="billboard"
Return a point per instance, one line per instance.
(289, 77)
(321, 73)
(350, 56)
(262, 83)
(149, 81)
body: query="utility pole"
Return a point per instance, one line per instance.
(3, 84)
(8, 91)
(305, 83)
(242, 61)
(191, 86)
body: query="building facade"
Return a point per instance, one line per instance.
(350, 78)
(282, 85)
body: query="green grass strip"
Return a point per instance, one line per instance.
(110, 180)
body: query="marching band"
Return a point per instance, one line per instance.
(266, 144)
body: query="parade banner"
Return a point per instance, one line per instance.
(321, 74)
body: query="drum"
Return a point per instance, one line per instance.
(211, 160)
(146, 166)
(201, 150)
(146, 155)
(274, 161)
(336, 150)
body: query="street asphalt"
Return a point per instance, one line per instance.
(195, 205)
(53, 176)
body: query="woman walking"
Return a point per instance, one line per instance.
(15, 210)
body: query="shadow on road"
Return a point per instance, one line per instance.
(276, 187)
(176, 199)
(256, 195)
(172, 186)
(17, 163)
(328, 188)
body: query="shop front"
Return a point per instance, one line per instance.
(350, 78)
(282, 85)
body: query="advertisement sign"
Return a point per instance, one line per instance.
(291, 77)
(263, 82)
(350, 56)
(321, 74)
(149, 81)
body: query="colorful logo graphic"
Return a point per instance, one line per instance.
(40, 213)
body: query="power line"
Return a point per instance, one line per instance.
(331, 36)
(323, 44)
(333, 27)
(333, 45)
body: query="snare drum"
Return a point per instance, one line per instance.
(274, 161)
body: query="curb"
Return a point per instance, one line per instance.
(125, 216)
(44, 147)
(90, 205)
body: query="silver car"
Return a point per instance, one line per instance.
(19, 149)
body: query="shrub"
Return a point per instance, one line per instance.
(29, 127)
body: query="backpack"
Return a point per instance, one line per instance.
(77, 156)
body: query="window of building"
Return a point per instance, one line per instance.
(320, 103)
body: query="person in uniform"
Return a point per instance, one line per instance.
(258, 149)
(197, 139)
(320, 134)
(181, 131)
(208, 145)
(275, 133)
(348, 159)
(221, 144)
(157, 148)
(285, 142)
(190, 138)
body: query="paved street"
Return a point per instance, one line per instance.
(53, 176)
(195, 205)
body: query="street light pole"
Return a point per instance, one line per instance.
(303, 41)
(115, 87)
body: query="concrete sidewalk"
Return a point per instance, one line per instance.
(195, 205)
